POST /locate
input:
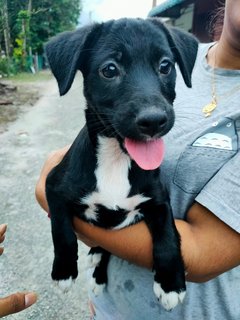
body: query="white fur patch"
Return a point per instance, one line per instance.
(65, 285)
(112, 183)
(132, 215)
(97, 289)
(93, 259)
(168, 300)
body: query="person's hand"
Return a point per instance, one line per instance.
(53, 159)
(3, 229)
(17, 301)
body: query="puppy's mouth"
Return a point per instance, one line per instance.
(147, 154)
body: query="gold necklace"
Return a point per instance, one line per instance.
(210, 107)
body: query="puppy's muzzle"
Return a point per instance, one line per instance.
(151, 123)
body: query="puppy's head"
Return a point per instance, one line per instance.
(129, 73)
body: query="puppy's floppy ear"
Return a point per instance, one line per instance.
(184, 47)
(66, 52)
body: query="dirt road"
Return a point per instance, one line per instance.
(26, 263)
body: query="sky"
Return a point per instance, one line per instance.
(102, 10)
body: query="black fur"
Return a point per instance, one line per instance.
(135, 102)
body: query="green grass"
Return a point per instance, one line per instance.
(29, 77)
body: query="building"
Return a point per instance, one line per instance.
(194, 16)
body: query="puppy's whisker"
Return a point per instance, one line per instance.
(97, 125)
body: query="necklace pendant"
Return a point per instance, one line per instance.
(209, 108)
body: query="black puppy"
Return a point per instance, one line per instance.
(110, 175)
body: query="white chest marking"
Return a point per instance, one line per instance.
(112, 170)
(112, 182)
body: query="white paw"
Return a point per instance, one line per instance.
(93, 260)
(168, 300)
(64, 285)
(97, 289)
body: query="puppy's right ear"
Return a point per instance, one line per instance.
(66, 52)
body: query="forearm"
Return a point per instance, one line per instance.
(134, 243)
(208, 246)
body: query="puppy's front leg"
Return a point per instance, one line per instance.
(65, 243)
(169, 279)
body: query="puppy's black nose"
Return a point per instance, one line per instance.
(151, 123)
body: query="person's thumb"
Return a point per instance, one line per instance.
(16, 302)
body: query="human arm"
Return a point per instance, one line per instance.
(53, 159)
(209, 246)
(17, 301)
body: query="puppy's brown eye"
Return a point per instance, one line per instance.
(165, 67)
(110, 71)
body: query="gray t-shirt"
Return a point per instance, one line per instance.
(202, 163)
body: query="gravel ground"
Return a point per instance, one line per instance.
(26, 263)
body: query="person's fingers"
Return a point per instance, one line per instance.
(1, 250)
(16, 302)
(2, 238)
(3, 229)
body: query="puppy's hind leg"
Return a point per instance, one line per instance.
(64, 269)
(94, 257)
(98, 259)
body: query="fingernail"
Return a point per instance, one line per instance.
(30, 298)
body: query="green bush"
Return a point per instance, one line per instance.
(11, 66)
(4, 67)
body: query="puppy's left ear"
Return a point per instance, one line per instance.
(184, 47)
(67, 52)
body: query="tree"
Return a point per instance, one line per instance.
(51, 17)
(5, 26)
(35, 21)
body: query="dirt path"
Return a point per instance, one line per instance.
(26, 265)
(16, 97)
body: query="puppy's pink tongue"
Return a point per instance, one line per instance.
(148, 155)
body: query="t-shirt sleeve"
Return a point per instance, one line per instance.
(221, 195)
